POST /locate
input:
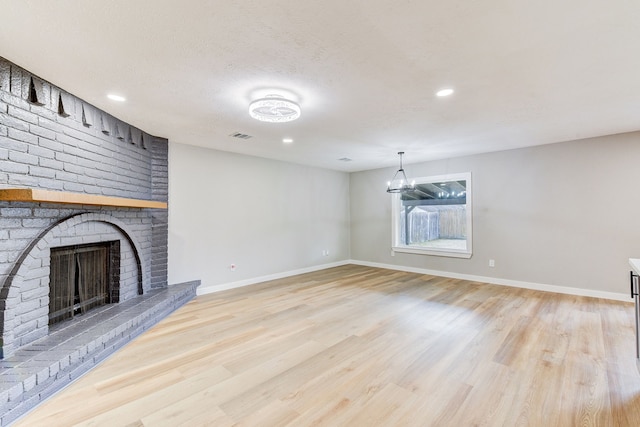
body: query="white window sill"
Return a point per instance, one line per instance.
(453, 253)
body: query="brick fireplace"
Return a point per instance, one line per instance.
(103, 180)
(27, 306)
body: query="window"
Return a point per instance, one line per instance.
(435, 219)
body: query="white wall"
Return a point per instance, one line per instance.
(565, 214)
(265, 216)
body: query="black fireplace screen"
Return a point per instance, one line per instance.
(80, 279)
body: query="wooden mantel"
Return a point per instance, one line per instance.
(49, 196)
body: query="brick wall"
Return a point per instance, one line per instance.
(159, 218)
(53, 140)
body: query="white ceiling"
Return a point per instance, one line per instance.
(364, 72)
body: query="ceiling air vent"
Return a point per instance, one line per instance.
(345, 159)
(240, 135)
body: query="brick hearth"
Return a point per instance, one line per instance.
(43, 367)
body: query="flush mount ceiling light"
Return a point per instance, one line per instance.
(274, 109)
(400, 183)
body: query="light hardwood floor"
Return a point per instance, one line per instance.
(358, 346)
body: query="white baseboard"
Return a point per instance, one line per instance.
(202, 290)
(504, 282)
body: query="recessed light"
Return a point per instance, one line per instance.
(287, 140)
(114, 97)
(444, 92)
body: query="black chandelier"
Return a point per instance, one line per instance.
(400, 183)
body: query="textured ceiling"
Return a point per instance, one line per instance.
(364, 72)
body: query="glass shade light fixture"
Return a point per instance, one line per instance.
(274, 109)
(399, 183)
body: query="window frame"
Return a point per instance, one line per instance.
(445, 252)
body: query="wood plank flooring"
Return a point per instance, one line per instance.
(359, 346)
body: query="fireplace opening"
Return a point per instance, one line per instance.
(83, 277)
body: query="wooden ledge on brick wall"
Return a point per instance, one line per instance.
(49, 196)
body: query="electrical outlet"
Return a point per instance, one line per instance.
(492, 263)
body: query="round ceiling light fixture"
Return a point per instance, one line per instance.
(274, 109)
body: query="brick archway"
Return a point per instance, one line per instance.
(24, 296)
